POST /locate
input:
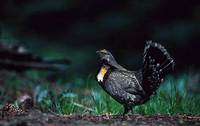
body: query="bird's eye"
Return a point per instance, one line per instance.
(105, 53)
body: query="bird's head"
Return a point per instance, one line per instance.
(106, 57)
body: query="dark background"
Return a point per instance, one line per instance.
(75, 29)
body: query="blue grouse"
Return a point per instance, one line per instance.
(131, 88)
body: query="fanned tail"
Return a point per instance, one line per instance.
(157, 64)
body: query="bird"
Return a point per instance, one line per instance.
(132, 88)
(16, 57)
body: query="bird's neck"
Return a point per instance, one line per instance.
(115, 65)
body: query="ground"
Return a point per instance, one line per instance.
(38, 118)
(26, 102)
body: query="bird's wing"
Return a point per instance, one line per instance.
(132, 83)
(127, 81)
(123, 87)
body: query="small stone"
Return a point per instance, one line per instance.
(25, 101)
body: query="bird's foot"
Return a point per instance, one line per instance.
(125, 115)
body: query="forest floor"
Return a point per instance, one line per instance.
(38, 118)
(85, 104)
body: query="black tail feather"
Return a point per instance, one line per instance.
(157, 64)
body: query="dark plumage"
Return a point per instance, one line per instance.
(132, 88)
(15, 57)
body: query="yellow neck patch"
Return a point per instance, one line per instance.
(103, 71)
(101, 74)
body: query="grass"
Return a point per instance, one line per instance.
(86, 96)
(171, 98)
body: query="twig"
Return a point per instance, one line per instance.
(84, 107)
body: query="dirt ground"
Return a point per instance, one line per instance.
(37, 118)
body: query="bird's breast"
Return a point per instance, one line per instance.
(101, 74)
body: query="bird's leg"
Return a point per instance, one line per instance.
(126, 110)
(132, 111)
